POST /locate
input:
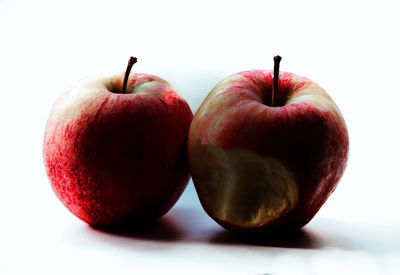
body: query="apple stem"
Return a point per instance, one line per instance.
(277, 60)
(132, 60)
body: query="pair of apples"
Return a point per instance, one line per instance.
(265, 149)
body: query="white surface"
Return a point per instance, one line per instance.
(351, 48)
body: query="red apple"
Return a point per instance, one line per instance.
(266, 156)
(115, 151)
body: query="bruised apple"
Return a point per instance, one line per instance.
(266, 149)
(115, 148)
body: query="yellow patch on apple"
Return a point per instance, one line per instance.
(241, 186)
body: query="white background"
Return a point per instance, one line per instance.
(351, 48)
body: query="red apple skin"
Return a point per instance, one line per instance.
(115, 158)
(305, 136)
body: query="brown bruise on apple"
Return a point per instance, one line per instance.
(242, 187)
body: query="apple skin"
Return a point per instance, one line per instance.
(115, 158)
(258, 168)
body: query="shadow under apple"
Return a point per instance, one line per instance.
(301, 239)
(192, 225)
(164, 229)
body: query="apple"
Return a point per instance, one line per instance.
(115, 149)
(266, 149)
